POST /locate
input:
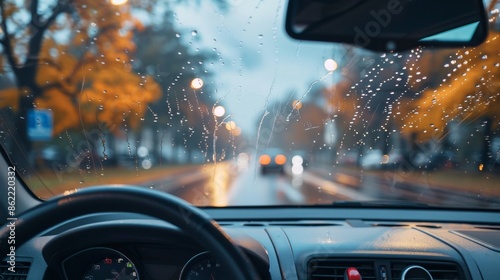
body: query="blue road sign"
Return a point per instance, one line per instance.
(40, 125)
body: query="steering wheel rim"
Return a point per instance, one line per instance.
(160, 205)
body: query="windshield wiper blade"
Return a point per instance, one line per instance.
(380, 203)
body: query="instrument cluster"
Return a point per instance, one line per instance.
(140, 263)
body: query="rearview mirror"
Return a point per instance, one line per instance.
(389, 25)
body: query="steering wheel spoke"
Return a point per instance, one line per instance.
(160, 205)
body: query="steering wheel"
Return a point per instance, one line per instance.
(160, 205)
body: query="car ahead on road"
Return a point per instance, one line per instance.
(272, 160)
(301, 157)
(191, 91)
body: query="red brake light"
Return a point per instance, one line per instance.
(280, 159)
(265, 159)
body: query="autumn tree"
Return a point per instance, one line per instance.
(74, 58)
(457, 87)
(308, 127)
(362, 102)
(294, 123)
(342, 105)
(470, 94)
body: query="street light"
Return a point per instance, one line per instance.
(296, 105)
(230, 125)
(331, 65)
(219, 111)
(118, 2)
(196, 83)
(236, 131)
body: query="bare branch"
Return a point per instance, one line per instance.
(35, 42)
(35, 17)
(82, 61)
(5, 41)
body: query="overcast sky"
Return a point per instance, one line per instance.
(258, 60)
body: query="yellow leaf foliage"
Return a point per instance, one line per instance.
(62, 107)
(9, 98)
(470, 93)
(118, 95)
(89, 77)
(341, 100)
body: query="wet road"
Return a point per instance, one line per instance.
(387, 185)
(223, 184)
(252, 188)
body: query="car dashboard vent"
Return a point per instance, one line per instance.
(438, 270)
(20, 272)
(329, 268)
(321, 268)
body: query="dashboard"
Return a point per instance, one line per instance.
(317, 243)
(131, 246)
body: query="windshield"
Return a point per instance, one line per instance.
(211, 101)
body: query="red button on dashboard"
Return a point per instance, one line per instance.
(352, 274)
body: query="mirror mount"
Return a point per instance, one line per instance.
(389, 25)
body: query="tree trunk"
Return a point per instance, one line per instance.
(26, 83)
(25, 73)
(486, 147)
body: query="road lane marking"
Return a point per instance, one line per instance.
(334, 188)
